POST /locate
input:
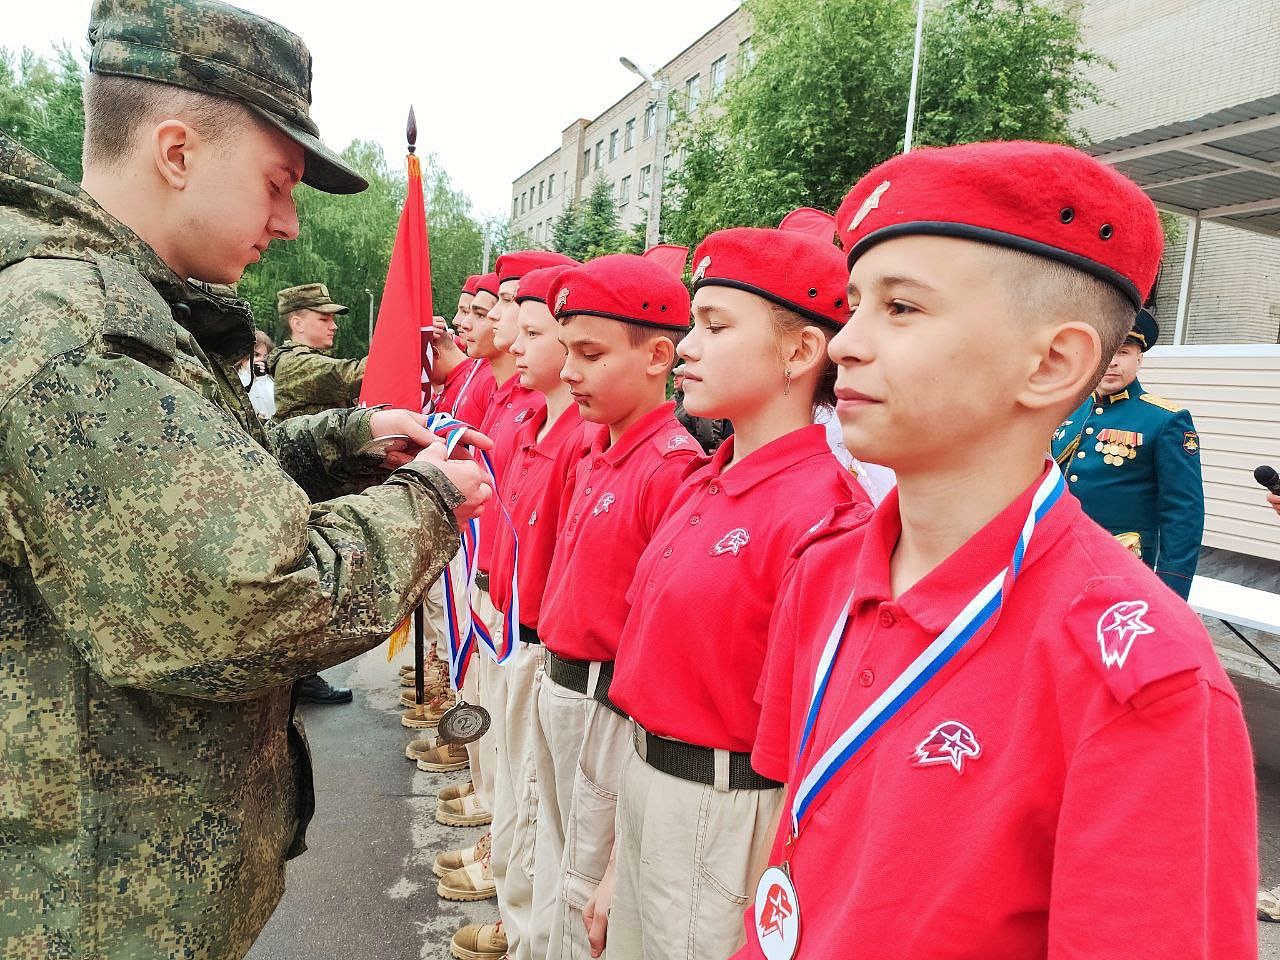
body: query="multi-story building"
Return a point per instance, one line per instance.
(618, 145)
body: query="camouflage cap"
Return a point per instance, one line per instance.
(307, 296)
(223, 51)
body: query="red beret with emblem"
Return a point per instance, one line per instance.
(792, 266)
(469, 286)
(513, 266)
(487, 283)
(637, 290)
(535, 284)
(1041, 198)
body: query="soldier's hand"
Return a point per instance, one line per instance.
(1275, 502)
(467, 475)
(392, 423)
(595, 915)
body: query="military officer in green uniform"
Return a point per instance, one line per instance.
(1133, 460)
(168, 566)
(308, 380)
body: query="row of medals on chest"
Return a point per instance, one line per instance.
(1117, 446)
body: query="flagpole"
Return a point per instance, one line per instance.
(915, 78)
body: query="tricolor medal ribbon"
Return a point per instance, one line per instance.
(978, 616)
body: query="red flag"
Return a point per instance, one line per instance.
(394, 372)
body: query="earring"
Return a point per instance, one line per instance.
(786, 386)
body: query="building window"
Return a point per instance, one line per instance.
(599, 152)
(542, 184)
(646, 176)
(522, 201)
(613, 145)
(718, 74)
(515, 207)
(624, 191)
(629, 134)
(650, 120)
(551, 186)
(586, 161)
(693, 92)
(746, 54)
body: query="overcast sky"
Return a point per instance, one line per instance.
(473, 69)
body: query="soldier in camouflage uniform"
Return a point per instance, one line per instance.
(167, 566)
(308, 380)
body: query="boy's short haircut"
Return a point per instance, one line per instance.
(1046, 290)
(788, 321)
(115, 107)
(638, 336)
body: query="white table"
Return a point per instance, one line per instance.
(1235, 605)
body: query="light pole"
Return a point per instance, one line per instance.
(370, 293)
(657, 97)
(915, 78)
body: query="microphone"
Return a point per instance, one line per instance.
(1267, 476)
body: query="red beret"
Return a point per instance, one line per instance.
(1041, 198)
(470, 285)
(488, 283)
(791, 268)
(513, 266)
(670, 256)
(623, 287)
(535, 284)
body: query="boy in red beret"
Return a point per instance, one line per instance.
(545, 447)
(1002, 735)
(620, 318)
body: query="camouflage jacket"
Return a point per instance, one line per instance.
(162, 582)
(308, 381)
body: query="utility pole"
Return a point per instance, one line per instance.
(915, 78)
(657, 97)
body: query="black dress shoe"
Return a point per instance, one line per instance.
(315, 689)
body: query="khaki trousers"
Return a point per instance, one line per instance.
(688, 860)
(579, 747)
(481, 688)
(515, 812)
(434, 636)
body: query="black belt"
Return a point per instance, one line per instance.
(529, 635)
(482, 580)
(576, 675)
(698, 764)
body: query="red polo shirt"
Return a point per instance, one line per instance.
(467, 392)
(694, 643)
(621, 493)
(509, 407)
(537, 484)
(1031, 802)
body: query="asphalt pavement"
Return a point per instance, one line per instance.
(365, 888)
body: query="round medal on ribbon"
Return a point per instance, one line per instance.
(463, 723)
(777, 915)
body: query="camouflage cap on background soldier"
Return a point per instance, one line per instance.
(307, 296)
(222, 51)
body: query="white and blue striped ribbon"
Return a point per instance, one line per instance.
(982, 611)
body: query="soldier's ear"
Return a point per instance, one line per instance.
(1062, 366)
(171, 143)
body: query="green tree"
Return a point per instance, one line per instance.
(40, 106)
(566, 234)
(590, 228)
(826, 100)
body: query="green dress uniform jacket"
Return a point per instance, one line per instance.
(163, 580)
(1133, 460)
(308, 381)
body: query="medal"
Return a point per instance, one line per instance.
(379, 447)
(777, 914)
(463, 723)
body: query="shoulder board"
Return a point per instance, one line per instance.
(1133, 637)
(1162, 403)
(675, 443)
(842, 518)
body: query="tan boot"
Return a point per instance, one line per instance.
(469, 883)
(416, 748)
(452, 860)
(479, 941)
(409, 698)
(425, 717)
(1269, 905)
(455, 790)
(446, 757)
(466, 811)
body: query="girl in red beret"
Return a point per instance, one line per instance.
(694, 820)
